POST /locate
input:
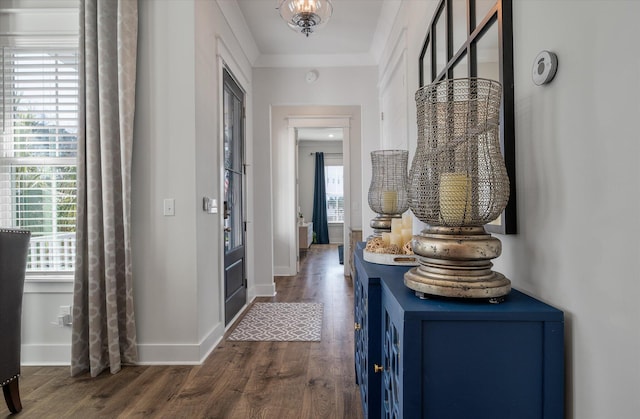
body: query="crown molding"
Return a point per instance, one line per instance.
(315, 60)
(235, 19)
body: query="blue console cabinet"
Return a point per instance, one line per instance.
(446, 358)
(367, 337)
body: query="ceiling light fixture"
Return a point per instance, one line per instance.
(305, 15)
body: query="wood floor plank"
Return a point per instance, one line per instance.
(153, 390)
(296, 380)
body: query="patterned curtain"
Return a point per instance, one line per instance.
(104, 334)
(320, 225)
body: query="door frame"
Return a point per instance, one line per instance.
(320, 121)
(238, 254)
(227, 61)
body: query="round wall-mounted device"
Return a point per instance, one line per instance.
(312, 76)
(544, 67)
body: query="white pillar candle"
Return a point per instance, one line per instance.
(386, 239)
(407, 220)
(396, 225)
(407, 234)
(396, 238)
(389, 202)
(455, 198)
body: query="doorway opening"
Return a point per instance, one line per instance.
(329, 142)
(287, 185)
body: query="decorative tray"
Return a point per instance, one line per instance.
(389, 259)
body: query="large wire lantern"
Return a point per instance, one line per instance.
(459, 183)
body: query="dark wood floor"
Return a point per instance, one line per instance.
(238, 380)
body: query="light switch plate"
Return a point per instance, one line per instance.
(169, 207)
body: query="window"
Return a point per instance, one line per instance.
(39, 116)
(334, 189)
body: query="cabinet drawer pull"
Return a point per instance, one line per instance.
(377, 368)
(357, 326)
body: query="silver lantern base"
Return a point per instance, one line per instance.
(382, 224)
(456, 262)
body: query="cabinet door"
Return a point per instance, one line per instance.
(392, 374)
(358, 338)
(368, 345)
(493, 368)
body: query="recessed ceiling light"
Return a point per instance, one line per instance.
(330, 135)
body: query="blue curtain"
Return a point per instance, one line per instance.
(320, 226)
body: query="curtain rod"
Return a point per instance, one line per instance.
(314, 152)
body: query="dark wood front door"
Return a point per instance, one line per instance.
(235, 284)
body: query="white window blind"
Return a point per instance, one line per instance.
(334, 190)
(39, 116)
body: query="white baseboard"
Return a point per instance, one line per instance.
(148, 354)
(169, 354)
(284, 270)
(180, 354)
(262, 291)
(45, 354)
(209, 343)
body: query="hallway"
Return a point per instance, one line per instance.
(238, 380)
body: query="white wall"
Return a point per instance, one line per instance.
(352, 91)
(164, 250)
(395, 94)
(578, 183)
(336, 87)
(177, 261)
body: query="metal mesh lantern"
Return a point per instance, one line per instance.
(458, 176)
(458, 184)
(388, 195)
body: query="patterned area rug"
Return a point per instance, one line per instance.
(280, 322)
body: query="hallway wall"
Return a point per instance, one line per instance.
(282, 92)
(177, 154)
(578, 184)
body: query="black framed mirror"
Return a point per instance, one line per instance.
(474, 38)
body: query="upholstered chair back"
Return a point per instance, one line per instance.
(14, 245)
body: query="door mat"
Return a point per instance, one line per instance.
(286, 322)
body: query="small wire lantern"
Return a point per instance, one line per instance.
(388, 190)
(458, 176)
(459, 183)
(388, 195)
